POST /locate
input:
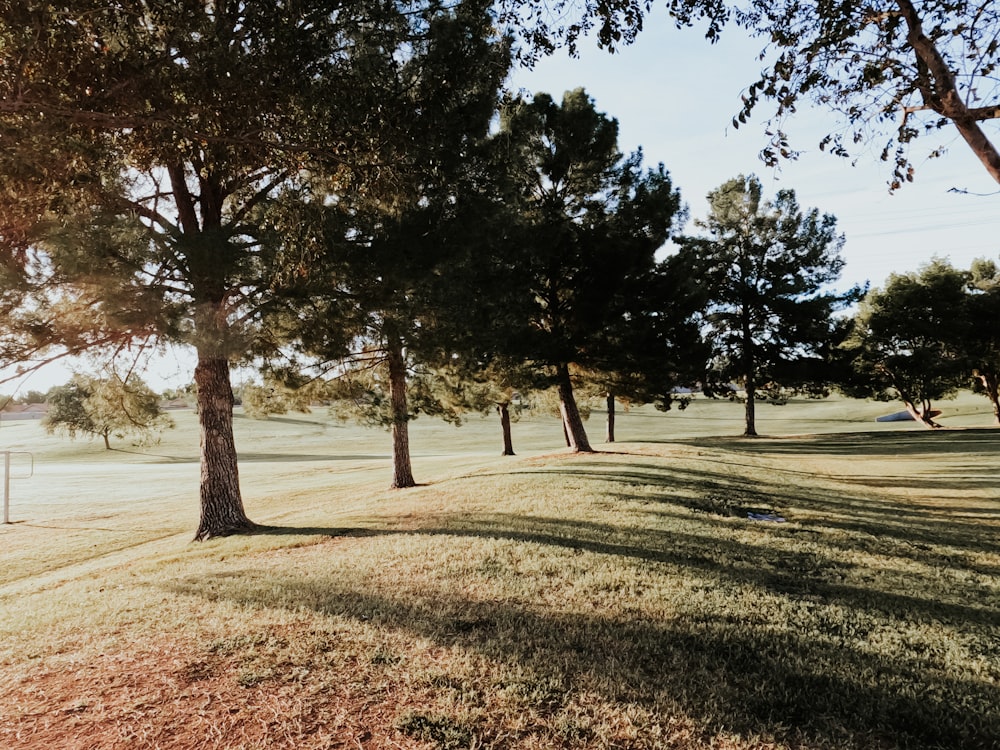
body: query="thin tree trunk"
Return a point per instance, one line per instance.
(107, 443)
(991, 386)
(222, 511)
(402, 471)
(751, 410)
(610, 433)
(573, 423)
(750, 380)
(921, 415)
(508, 445)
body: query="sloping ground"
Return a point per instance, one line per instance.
(618, 600)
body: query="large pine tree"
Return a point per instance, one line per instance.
(766, 268)
(383, 287)
(195, 129)
(585, 224)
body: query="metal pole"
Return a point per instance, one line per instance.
(6, 486)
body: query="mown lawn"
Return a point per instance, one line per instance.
(615, 600)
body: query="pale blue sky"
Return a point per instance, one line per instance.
(675, 95)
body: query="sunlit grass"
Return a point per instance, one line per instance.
(616, 600)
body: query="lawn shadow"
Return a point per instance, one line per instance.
(866, 516)
(340, 532)
(249, 457)
(731, 675)
(851, 679)
(298, 421)
(908, 443)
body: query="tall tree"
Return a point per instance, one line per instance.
(983, 310)
(188, 175)
(908, 340)
(766, 268)
(587, 222)
(381, 290)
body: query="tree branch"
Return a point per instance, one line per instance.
(944, 98)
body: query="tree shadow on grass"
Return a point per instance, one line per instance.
(744, 674)
(248, 457)
(850, 678)
(341, 532)
(298, 421)
(973, 440)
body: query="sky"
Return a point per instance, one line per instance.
(675, 94)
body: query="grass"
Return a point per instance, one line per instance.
(614, 600)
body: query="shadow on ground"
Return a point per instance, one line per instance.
(866, 622)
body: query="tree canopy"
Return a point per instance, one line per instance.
(197, 130)
(891, 70)
(766, 268)
(380, 286)
(105, 407)
(586, 222)
(908, 340)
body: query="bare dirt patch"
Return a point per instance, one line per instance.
(178, 697)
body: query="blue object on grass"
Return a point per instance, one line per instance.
(765, 517)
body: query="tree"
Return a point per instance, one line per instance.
(104, 407)
(168, 215)
(983, 338)
(892, 70)
(272, 397)
(494, 384)
(907, 340)
(657, 346)
(766, 268)
(920, 66)
(586, 224)
(380, 293)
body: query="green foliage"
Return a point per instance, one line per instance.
(384, 254)
(983, 342)
(362, 394)
(261, 401)
(889, 72)
(910, 340)
(766, 269)
(892, 72)
(575, 280)
(102, 407)
(205, 131)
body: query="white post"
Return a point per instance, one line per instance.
(6, 486)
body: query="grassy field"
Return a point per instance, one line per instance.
(621, 599)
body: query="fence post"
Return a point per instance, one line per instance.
(6, 486)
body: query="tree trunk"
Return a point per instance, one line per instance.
(572, 422)
(991, 387)
(508, 445)
(749, 374)
(402, 471)
(610, 433)
(107, 442)
(751, 410)
(222, 511)
(920, 414)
